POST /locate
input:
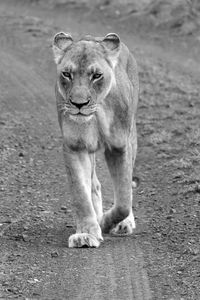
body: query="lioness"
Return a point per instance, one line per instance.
(97, 94)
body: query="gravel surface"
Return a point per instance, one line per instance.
(162, 259)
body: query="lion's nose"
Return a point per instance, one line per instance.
(79, 103)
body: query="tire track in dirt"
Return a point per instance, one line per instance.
(133, 278)
(114, 271)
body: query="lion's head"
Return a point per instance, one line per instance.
(85, 72)
(94, 90)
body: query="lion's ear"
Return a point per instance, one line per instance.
(111, 42)
(61, 42)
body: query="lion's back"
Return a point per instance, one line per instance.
(129, 64)
(127, 74)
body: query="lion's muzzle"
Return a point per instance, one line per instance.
(80, 97)
(79, 103)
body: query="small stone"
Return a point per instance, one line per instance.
(25, 227)
(63, 207)
(197, 188)
(54, 254)
(172, 211)
(35, 280)
(25, 237)
(36, 294)
(5, 220)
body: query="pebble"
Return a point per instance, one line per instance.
(54, 254)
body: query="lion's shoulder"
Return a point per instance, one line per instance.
(127, 60)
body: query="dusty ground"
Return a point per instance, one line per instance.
(35, 214)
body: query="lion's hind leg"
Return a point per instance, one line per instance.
(120, 216)
(125, 227)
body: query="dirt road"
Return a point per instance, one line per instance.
(161, 260)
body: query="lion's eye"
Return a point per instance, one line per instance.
(96, 76)
(67, 75)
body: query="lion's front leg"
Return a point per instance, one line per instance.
(120, 219)
(79, 170)
(96, 191)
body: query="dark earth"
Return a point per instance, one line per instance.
(162, 259)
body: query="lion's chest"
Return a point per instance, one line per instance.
(81, 136)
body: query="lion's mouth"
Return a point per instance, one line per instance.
(78, 114)
(84, 111)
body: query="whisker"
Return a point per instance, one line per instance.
(63, 107)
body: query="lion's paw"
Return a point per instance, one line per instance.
(79, 240)
(125, 227)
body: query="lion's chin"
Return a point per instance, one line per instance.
(80, 118)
